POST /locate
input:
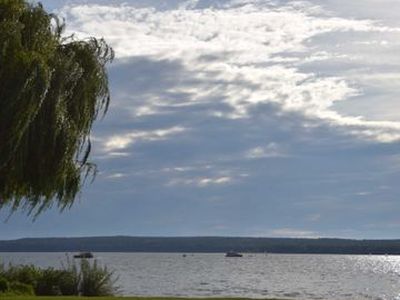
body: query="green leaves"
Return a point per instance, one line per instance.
(52, 89)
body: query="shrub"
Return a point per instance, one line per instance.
(2, 269)
(4, 285)
(58, 282)
(70, 279)
(96, 280)
(27, 274)
(86, 279)
(48, 283)
(21, 289)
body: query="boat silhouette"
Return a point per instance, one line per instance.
(233, 254)
(84, 255)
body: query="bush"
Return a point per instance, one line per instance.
(70, 279)
(86, 279)
(27, 274)
(96, 280)
(21, 289)
(69, 284)
(58, 282)
(48, 283)
(4, 285)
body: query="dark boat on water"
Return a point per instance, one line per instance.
(233, 254)
(84, 255)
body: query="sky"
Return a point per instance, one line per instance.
(267, 118)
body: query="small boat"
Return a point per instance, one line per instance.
(84, 255)
(233, 254)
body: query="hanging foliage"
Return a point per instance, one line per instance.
(52, 88)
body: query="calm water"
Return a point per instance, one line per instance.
(254, 275)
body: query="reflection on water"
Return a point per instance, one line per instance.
(255, 275)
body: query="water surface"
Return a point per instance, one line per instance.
(254, 275)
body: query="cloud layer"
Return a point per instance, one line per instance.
(243, 53)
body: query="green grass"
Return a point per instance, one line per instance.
(114, 298)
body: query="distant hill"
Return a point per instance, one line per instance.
(201, 244)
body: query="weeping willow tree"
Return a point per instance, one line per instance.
(52, 89)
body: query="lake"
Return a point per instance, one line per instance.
(254, 275)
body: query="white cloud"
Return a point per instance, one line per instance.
(116, 176)
(271, 150)
(201, 181)
(245, 38)
(214, 181)
(284, 232)
(293, 233)
(118, 154)
(122, 141)
(364, 193)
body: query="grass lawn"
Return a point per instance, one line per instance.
(114, 298)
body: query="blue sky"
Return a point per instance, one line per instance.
(240, 117)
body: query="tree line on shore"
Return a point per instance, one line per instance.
(202, 244)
